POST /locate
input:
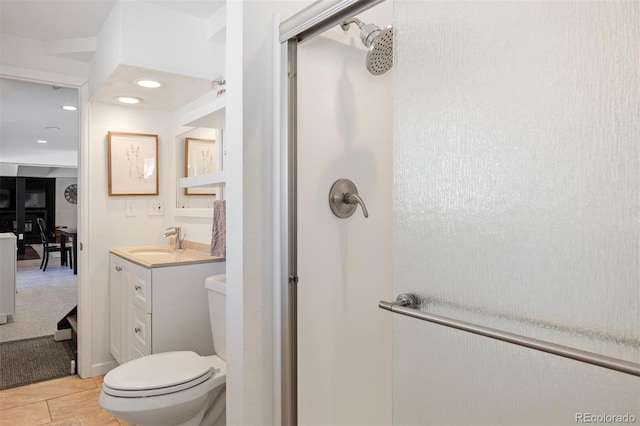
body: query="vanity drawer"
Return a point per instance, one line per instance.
(142, 288)
(141, 331)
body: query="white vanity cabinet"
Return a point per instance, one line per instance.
(159, 309)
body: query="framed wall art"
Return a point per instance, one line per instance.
(133, 164)
(201, 157)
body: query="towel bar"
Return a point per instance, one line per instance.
(405, 305)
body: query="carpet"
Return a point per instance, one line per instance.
(43, 299)
(29, 254)
(34, 360)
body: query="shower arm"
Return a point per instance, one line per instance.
(368, 32)
(346, 24)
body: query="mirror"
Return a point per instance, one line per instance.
(199, 151)
(200, 181)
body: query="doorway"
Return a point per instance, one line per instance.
(39, 160)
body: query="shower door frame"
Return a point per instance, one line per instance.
(306, 24)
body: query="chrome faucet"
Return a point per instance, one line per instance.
(175, 230)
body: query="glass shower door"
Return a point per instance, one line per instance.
(516, 206)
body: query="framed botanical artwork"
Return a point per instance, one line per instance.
(201, 157)
(133, 164)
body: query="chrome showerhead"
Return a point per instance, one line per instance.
(378, 41)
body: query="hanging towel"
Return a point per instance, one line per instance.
(219, 230)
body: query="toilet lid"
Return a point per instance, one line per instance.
(159, 371)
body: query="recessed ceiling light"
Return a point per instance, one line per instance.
(70, 108)
(148, 83)
(42, 141)
(128, 100)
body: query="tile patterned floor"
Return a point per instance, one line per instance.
(69, 401)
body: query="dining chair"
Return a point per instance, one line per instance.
(48, 247)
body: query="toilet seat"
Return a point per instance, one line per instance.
(158, 374)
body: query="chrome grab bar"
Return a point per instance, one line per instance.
(406, 304)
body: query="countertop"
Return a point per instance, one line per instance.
(165, 255)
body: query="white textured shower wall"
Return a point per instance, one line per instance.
(345, 131)
(516, 168)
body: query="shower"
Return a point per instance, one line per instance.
(378, 41)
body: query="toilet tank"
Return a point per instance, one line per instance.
(217, 292)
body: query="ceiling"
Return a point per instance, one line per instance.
(67, 19)
(32, 111)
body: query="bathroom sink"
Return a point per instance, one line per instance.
(152, 252)
(161, 255)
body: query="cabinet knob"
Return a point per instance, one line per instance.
(118, 268)
(137, 330)
(137, 287)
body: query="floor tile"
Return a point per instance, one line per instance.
(98, 380)
(76, 421)
(83, 405)
(26, 415)
(44, 390)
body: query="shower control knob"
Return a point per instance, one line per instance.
(344, 199)
(349, 198)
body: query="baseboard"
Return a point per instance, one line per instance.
(60, 335)
(102, 368)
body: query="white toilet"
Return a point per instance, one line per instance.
(174, 388)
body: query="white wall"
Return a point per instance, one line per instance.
(182, 39)
(28, 59)
(252, 369)
(144, 35)
(108, 226)
(109, 50)
(345, 269)
(236, 379)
